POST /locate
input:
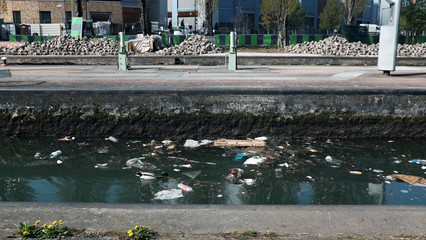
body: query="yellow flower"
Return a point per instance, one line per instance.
(136, 227)
(61, 222)
(143, 226)
(130, 232)
(37, 222)
(44, 225)
(50, 226)
(54, 222)
(25, 233)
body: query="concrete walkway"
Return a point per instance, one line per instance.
(198, 78)
(209, 221)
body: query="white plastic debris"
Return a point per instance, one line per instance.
(219, 195)
(205, 142)
(249, 181)
(328, 159)
(184, 166)
(112, 139)
(101, 165)
(254, 160)
(283, 165)
(166, 142)
(191, 143)
(377, 171)
(261, 138)
(55, 153)
(168, 194)
(37, 155)
(59, 162)
(137, 163)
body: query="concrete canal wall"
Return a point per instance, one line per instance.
(213, 60)
(201, 114)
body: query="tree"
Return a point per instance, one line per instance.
(277, 13)
(144, 19)
(331, 16)
(354, 8)
(206, 8)
(413, 18)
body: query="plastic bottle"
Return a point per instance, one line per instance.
(55, 153)
(184, 187)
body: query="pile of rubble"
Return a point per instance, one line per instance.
(338, 46)
(66, 45)
(195, 45)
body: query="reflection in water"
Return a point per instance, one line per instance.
(296, 172)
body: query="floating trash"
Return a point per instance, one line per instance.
(66, 139)
(419, 161)
(55, 153)
(249, 181)
(191, 143)
(112, 139)
(101, 165)
(183, 165)
(261, 138)
(241, 156)
(283, 165)
(255, 160)
(192, 174)
(137, 163)
(168, 194)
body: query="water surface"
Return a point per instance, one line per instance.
(309, 179)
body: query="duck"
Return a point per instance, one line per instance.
(150, 176)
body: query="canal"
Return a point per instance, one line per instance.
(293, 171)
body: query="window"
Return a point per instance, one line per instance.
(68, 16)
(17, 16)
(45, 17)
(100, 16)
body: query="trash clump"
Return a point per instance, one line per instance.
(168, 194)
(137, 163)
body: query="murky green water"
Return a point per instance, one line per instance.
(295, 172)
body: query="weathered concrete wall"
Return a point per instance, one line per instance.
(210, 114)
(209, 60)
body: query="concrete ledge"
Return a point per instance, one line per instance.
(304, 222)
(213, 60)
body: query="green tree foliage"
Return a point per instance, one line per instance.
(354, 8)
(413, 18)
(277, 13)
(332, 15)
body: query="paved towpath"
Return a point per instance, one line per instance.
(199, 78)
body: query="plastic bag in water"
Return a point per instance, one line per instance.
(168, 194)
(137, 163)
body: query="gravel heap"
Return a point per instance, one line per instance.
(338, 46)
(194, 45)
(66, 45)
